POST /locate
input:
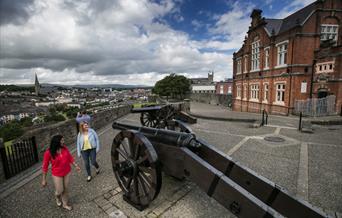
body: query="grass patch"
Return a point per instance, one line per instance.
(141, 105)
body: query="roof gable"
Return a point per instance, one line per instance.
(278, 26)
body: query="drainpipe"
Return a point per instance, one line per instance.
(290, 73)
(312, 74)
(288, 109)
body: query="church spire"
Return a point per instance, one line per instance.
(36, 85)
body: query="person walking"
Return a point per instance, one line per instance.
(82, 116)
(61, 159)
(88, 145)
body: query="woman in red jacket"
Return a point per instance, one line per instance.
(60, 158)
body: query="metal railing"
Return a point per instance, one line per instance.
(316, 106)
(18, 156)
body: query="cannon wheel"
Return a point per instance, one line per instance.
(149, 119)
(167, 113)
(136, 168)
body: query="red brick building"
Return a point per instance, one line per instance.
(224, 87)
(295, 58)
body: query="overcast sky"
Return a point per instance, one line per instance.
(124, 41)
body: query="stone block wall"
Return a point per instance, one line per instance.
(212, 98)
(2, 173)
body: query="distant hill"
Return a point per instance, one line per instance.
(89, 86)
(16, 88)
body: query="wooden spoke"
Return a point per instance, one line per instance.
(143, 186)
(142, 159)
(122, 153)
(146, 180)
(129, 182)
(145, 169)
(124, 145)
(136, 152)
(131, 147)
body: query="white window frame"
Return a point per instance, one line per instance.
(254, 92)
(267, 58)
(245, 88)
(266, 93)
(245, 64)
(238, 66)
(329, 31)
(280, 93)
(282, 53)
(255, 63)
(324, 67)
(238, 91)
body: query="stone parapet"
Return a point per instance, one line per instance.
(68, 128)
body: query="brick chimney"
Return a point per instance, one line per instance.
(256, 17)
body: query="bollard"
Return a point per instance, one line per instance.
(266, 118)
(263, 118)
(300, 121)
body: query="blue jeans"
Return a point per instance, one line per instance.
(89, 154)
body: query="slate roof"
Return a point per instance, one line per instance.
(273, 24)
(283, 25)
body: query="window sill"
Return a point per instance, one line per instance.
(253, 71)
(280, 66)
(266, 68)
(280, 103)
(238, 98)
(254, 100)
(265, 102)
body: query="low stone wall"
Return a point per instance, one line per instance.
(2, 173)
(68, 130)
(256, 107)
(212, 98)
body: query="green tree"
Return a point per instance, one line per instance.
(11, 131)
(174, 86)
(72, 112)
(54, 117)
(26, 121)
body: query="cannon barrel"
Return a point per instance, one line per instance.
(162, 136)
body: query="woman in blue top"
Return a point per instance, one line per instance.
(88, 145)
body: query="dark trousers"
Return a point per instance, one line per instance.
(89, 154)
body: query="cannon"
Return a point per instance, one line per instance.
(156, 116)
(140, 154)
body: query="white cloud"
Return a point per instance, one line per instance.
(102, 42)
(294, 6)
(233, 25)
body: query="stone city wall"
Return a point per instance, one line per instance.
(68, 130)
(212, 98)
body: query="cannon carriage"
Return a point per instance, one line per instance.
(157, 116)
(140, 155)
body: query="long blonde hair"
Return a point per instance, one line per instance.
(81, 130)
